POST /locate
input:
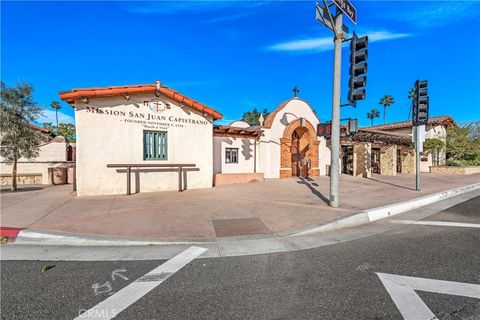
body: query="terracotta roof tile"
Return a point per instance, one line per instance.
(440, 120)
(41, 129)
(75, 94)
(378, 136)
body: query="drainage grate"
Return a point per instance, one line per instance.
(239, 227)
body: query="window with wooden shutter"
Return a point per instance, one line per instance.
(155, 145)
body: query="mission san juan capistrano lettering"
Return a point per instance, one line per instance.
(144, 116)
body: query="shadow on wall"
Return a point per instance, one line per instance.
(284, 119)
(247, 149)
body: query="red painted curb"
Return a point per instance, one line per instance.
(10, 233)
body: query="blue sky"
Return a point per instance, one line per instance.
(234, 56)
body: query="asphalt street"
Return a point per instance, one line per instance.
(338, 281)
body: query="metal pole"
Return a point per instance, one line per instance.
(417, 159)
(335, 137)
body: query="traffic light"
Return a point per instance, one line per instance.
(358, 68)
(420, 103)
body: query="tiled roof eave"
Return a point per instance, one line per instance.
(92, 93)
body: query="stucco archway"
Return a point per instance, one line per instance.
(298, 137)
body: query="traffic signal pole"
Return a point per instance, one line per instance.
(420, 106)
(417, 157)
(335, 138)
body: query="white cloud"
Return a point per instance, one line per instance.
(309, 45)
(436, 13)
(320, 44)
(49, 116)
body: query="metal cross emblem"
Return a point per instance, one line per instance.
(296, 91)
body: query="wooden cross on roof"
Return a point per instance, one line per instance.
(296, 91)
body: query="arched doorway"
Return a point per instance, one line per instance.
(299, 150)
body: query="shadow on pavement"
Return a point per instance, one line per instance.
(21, 189)
(392, 184)
(305, 181)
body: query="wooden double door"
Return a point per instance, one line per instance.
(300, 162)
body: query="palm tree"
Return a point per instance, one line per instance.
(386, 101)
(55, 105)
(411, 95)
(374, 113)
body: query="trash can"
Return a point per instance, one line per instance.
(58, 175)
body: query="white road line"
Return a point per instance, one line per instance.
(402, 291)
(438, 223)
(121, 300)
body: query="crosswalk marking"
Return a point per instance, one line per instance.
(438, 223)
(402, 291)
(113, 305)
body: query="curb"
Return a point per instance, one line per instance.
(374, 214)
(41, 237)
(36, 236)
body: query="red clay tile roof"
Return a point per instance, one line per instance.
(41, 129)
(378, 136)
(72, 95)
(441, 120)
(271, 116)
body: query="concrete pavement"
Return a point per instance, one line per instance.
(114, 249)
(266, 208)
(338, 281)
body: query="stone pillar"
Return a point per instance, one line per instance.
(388, 160)
(408, 160)
(362, 155)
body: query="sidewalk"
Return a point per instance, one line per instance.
(263, 208)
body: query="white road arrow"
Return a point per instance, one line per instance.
(402, 291)
(117, 273)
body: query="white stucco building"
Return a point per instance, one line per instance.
(169, 141)
(54, 152)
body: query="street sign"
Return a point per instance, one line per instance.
(352, 126)
(347, 8)
(420, 130)
(324, 130)
(323, 17)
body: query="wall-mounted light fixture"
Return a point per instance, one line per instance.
(182, 105)
(126, 96)
(302, 122)
(84, 99)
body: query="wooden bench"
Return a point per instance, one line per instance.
(129, 166)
